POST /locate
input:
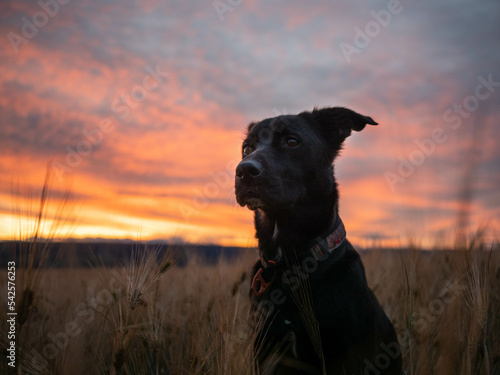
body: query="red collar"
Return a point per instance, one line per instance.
(327, 245)
(322, 249)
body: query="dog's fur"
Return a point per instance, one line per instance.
(322, 319)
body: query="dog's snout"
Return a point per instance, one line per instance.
(248, 169)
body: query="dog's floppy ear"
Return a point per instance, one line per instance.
(336, 123)
(341, 118)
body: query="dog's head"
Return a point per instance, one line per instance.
(288, 159)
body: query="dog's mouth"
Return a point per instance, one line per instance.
(255, 200)
(254, 203)
(249, 199)
(255, 196)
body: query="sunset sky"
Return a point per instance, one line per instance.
(140, 107)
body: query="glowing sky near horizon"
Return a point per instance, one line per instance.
(141, 109)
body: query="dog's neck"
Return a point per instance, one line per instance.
(291, 232)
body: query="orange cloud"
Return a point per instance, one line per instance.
(157, 151)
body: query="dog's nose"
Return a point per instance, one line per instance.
(248, 169)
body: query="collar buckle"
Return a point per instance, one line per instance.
(259, 282)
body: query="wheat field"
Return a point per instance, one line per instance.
(153, 317)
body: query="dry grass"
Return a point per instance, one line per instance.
(444, 305)
(193, 320)
(151, 317)
(88, 321)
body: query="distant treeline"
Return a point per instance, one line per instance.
(112, 254)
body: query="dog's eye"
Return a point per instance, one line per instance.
(292, 142)
(247, 150)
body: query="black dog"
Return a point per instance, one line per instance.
(309, 288)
